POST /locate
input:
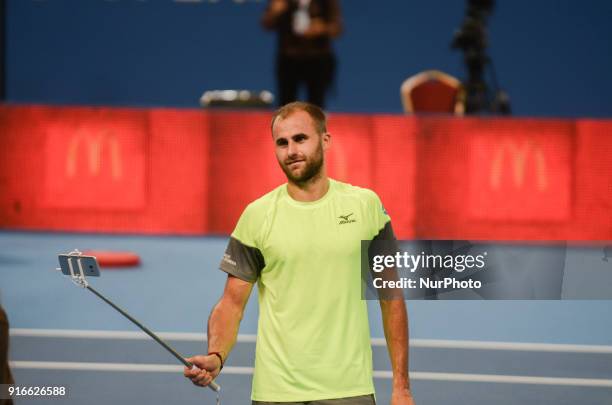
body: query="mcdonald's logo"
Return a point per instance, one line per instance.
(519, 156)
(94, 145)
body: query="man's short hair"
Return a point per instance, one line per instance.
(317, 114)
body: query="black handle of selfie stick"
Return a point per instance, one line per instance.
(213, 386)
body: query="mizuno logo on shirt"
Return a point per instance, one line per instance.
(346, 219)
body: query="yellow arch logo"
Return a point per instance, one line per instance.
(94, 146)
(519, 156)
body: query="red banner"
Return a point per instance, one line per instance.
(96, 160)
(520, 171)
(193, 172)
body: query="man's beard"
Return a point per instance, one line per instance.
(312, 168)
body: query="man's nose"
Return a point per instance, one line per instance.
(292, 148)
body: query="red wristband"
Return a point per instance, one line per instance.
(220, 358)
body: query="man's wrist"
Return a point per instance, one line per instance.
(401, 392)
(401, 383)
(220, 357)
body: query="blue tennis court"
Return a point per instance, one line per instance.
(476, 352)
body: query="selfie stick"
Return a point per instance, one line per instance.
(78, 277)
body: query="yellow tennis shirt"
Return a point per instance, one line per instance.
(313, 339)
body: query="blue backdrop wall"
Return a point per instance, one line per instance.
(553, 56)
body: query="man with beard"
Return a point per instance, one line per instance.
(301, 244)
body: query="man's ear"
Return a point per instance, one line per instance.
(326, 139)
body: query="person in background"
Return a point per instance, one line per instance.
(305, 29)
(5, 372)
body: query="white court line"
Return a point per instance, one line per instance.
(414, 375)
(420, 343)
(504, 379)
(514, 346)
(110, 334)
(124, 367)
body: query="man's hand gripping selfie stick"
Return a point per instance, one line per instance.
(89, 265)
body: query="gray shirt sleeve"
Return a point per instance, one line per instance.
(384, 243)
(385, 233)
(242, 261)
